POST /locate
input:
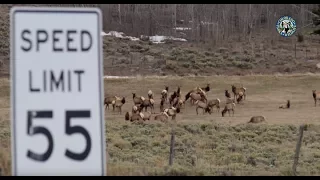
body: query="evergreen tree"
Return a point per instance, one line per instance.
(316, 20)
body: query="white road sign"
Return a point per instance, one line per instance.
(57, 91)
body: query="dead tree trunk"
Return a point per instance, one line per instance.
(119, 13)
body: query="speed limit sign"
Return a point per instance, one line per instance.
(57, 91)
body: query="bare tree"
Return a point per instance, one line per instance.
(209, 23)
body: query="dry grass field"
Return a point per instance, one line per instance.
(206, 144)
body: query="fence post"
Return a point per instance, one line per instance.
(295, 50)
(172, 143)
(298, 147)
(306, 53)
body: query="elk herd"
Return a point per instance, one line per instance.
(171, 103)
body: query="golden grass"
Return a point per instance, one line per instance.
(207, 144)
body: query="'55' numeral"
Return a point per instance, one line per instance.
(69, 130)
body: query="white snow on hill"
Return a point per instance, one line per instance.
(154, 39)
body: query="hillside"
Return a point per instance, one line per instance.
(234, 56)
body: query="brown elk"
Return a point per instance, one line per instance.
(316, 96)
(229, 107)
(285, 106)
(236, 91)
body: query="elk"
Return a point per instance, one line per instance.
(207, 88)
(172, 97)
(240, 97)
(196, 90)
(147, 103)
(227, 94)
(133, 116)
(119, 103)
(195, 96)
(228, 107)
(316, 96)
(236, 91)
(285, 106)
(215, 102)
(163, 117)
(179, 91)
(164, 93)
(137, 99)
(145, 116)
(257, 119)
(162, 104)
(172, 112)
(150, 94)
(202, 106)
(230, 100)
(110, 100)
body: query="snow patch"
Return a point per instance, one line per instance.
(182, 28)
(103, 33)
(160, 39)
(120, 35)
(118, 77)
(154, 39)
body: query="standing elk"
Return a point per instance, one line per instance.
(236, 91)
(316, 96)
(203, 106)
(119, 103)
(164, 93)
(214, 102)
(147, 103)
(229, 107)
(150, 94)
(137, 99)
